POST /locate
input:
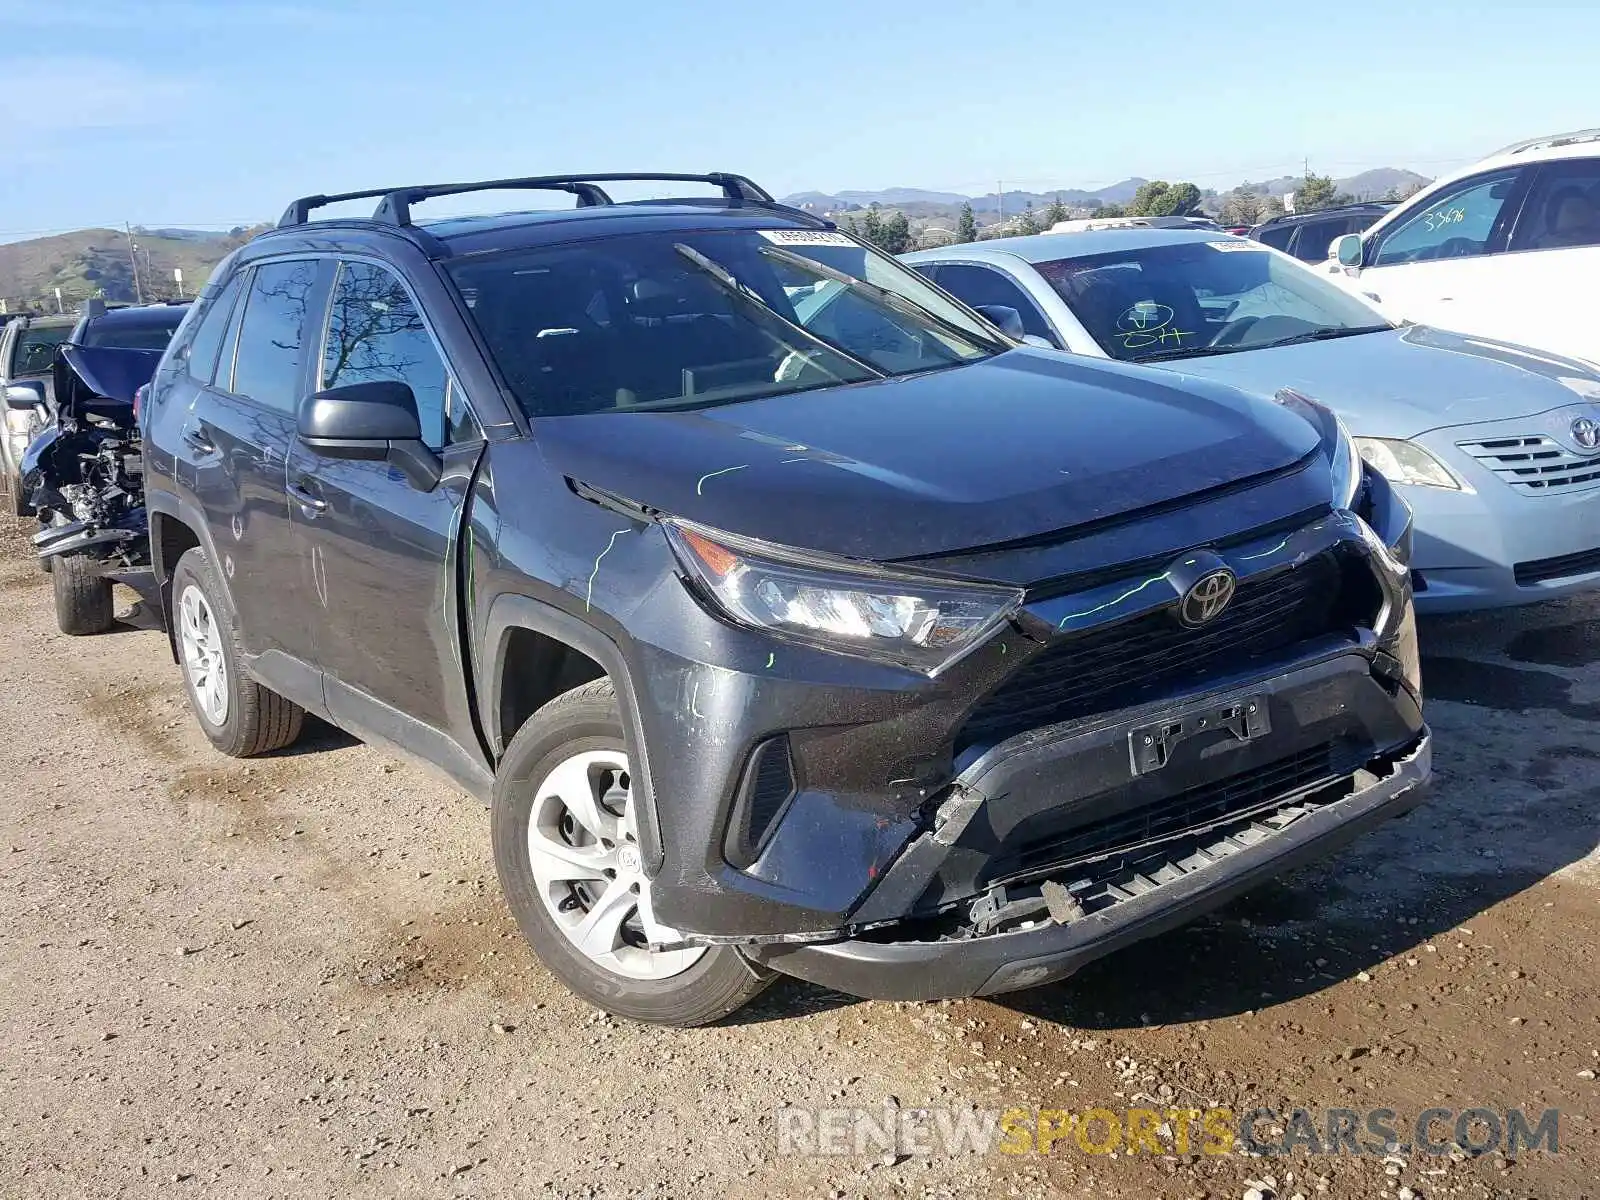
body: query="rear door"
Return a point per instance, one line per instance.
(381, 551)
(236, 439)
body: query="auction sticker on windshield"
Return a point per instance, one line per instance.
(805, 237)
(1248, 247)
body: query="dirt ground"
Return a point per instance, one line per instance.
(295, 977)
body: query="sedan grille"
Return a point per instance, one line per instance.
(1536, 463)
(1153, 655)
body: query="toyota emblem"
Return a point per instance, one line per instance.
(1206, 599)
(1586, 432)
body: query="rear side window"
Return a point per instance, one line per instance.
(1563, 208)
(376, 334)
(266, 365)
(1461, 222)
(202, 357)
(1312, 244)
(1277, 236)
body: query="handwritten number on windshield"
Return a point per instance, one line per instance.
(1148, 324)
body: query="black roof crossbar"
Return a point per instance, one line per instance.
(395, 207)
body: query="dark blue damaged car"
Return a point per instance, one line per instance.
(790, 615)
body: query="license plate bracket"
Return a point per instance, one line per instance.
(1150, 746)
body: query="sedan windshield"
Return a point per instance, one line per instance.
(1215, 297)
(689, 319)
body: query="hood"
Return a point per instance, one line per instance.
(1408, 381)
(102, 380)
(1023, 444)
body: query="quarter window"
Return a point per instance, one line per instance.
(1459, 223)
(1563, 208)
(376, 334)
(267, 365)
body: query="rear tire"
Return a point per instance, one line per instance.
(565, 867)
(83, 596)
(240, 716)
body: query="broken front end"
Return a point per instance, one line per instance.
(84, 474)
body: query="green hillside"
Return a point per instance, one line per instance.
(96, 262)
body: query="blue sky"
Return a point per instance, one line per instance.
(216, 112)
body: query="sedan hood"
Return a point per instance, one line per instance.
(1024, 444)
(1403, 383)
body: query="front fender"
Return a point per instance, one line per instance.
(508, 612)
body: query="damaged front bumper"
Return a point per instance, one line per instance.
(1093, 910)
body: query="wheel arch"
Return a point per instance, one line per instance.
(174, 530)
(519, 627)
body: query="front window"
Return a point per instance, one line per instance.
(690, 319)
(1459, 223)
(36, 349)
(1188, 298)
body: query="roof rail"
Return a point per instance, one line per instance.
(395, 207)
(1550, 141)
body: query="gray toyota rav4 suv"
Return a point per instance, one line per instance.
(789, 615)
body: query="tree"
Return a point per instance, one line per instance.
(895, 234)
(1110, 210)
(1055, 213)
(1158, 198)
(1242, 208)
(1316, 192)
(872, 224)
(967, 230)
(1027, 223)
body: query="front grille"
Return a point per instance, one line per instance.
(1195, 809)
(1536, 463)
(1153, 655)
(1541, 570)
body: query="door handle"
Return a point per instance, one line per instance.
(307, 498)
(198, 442)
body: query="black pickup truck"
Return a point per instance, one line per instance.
(789, 615)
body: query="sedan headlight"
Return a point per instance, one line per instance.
(838, 605)
(1400, 461)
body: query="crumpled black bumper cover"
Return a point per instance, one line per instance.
(1003, 962)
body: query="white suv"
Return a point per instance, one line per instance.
(1509, 248)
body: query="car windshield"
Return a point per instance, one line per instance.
(690, 319)
(36, 349)
(151, 334)
(1213, 297)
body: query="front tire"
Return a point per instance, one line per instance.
(240, 716)
(565, 831)
(84, 603)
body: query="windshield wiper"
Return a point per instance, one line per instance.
(903, 305)
(728, 282)
(1324, 334)
(1190, 352)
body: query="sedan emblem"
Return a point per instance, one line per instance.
(1206, 598)
(1586, 432)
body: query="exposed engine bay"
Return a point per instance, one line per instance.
(85, 475)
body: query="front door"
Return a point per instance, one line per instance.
(382, 552)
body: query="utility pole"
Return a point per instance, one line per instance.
(1000, 198)
(133, 261)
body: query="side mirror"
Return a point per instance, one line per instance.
(374, 422)
(1347, 250)
(1004, 318)
(1037, 342)
(28, 394)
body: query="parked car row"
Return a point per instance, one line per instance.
(798, 611)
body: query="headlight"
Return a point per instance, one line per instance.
(1343, 460)
(842, 606)
(1405, 462)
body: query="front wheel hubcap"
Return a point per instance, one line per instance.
(203, 660)
(583, 847)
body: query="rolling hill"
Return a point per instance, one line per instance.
(91, 262)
